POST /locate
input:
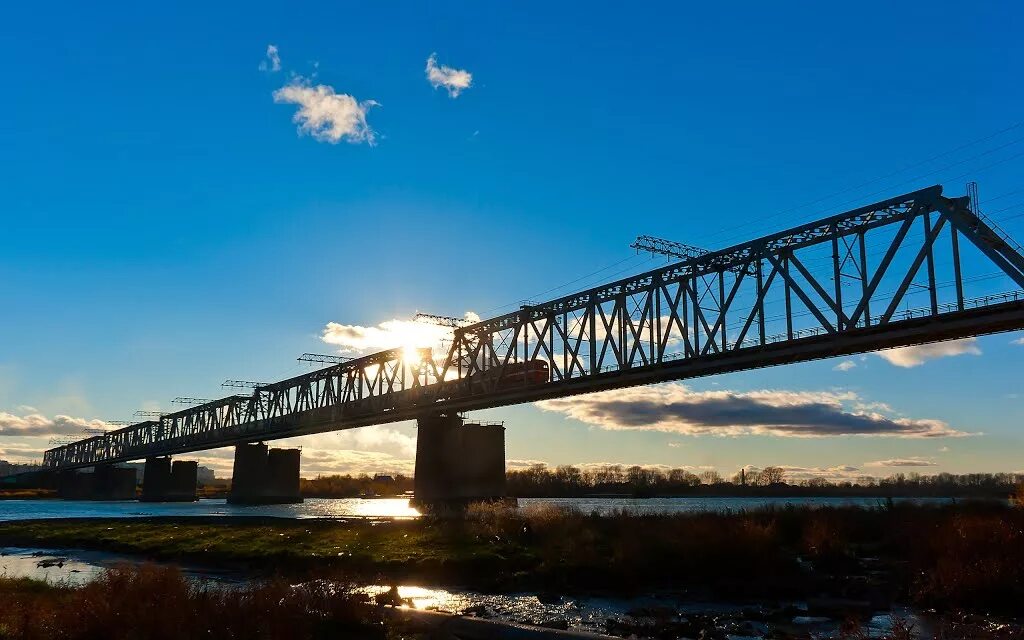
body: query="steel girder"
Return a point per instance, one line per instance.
(808, 292)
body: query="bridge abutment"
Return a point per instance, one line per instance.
(164, 481)
(106, 482)
(458, 462)
(265, 476)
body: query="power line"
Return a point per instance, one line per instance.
(1003, 195)
(918, 177)
(562, 286)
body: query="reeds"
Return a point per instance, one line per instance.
(159, 603)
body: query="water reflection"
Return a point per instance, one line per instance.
(77, 567)
(396, 507)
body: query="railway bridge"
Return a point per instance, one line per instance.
(916, 268)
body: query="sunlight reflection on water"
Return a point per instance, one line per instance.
(397, 507)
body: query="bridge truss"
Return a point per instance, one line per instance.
(887, 275)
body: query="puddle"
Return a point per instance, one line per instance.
(76, 567)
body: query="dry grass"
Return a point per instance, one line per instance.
(27, 494)
(158, 603)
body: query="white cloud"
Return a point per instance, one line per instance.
(21, 454)
(514, 464)
(36, 424)
(370, 450)
(390, 334)
(378, 438)
(272, 62)
(1019, 341)
(845, 365)
(834, 474)
(917, 355)
(901, 462)
(674, 408)
(454, 80)
(326, 115)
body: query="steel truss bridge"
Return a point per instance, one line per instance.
(886, 275)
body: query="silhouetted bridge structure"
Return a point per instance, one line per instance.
(840, 285)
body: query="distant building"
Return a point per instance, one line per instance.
(380, 477)
(11, 468)
(205, 475)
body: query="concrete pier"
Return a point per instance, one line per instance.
(106, 482)
(163, 481)
(458, 462)
(265, 476)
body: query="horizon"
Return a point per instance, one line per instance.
(187, 215)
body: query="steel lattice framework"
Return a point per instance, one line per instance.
(836, 286)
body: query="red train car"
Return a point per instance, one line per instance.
(518, 374)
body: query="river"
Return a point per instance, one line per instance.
(397, 507)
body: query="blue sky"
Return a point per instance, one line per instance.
(167, 226)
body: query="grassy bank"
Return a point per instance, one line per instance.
(955, 556)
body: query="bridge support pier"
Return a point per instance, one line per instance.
(106, 482)
(265, 476)
(458, 462)
(164, 481)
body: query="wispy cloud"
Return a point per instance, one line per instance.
(917, 355)
(845, 365)
(36, 424)
(902, 462)
(21, 454)
(369, 450)
(1019, 341)
(390, 334)
(514, 464)
(674, 408)
(454, 80)
(325, 115)
(272, 61)
(836, 473)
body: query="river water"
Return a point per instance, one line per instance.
(396, 507)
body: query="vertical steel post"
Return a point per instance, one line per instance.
(932, 294)
(656, 328)
(696, 318)
(721, 305)
(760, 299)
(837, 276)
(592, 309)
(956, 268)
(789, 297)
(864, 278)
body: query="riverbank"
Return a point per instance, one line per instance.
(962, 556)
(28, 494)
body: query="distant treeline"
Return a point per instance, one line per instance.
(568, 481)
(353, 486)
(539, 481)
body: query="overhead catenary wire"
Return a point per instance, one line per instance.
(913, 165)
(837, 208)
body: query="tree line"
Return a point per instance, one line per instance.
(566, 481)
